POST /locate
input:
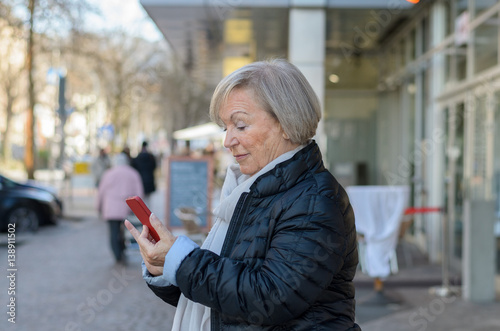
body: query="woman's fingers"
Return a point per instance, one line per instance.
(161, 229)
(145, 232)
(139, 236)
(153, 253)
(131, 228)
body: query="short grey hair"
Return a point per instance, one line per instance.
(120, 159)
(281, 90)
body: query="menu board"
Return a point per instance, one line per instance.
(189, 187)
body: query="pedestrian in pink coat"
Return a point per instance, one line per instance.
(117, 184)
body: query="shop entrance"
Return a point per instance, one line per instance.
(472, 167)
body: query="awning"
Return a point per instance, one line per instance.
(204, 131)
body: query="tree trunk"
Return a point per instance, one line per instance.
(6, 154)
(29, 155)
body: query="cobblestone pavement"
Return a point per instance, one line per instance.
(66, 279)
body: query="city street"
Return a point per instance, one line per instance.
(66, 279)
(375, 123)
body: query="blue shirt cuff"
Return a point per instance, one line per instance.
(177, 253)
(158, 281)
(179, 250)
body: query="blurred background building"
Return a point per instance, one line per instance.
(410, 93)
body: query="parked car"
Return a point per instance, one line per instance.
(28, 205)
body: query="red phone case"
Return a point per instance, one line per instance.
(142, 212)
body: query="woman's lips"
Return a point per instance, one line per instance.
(240, 157)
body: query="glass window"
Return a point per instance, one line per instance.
(461, 64)
(411, 89)
(402, 52)
(448, 68)
(478, 148)
(460, 6)
(486, 44)
(426, 40)
(411, 44)
(426, 83)
(358, 72)
(455, 123)
(481, 6)
(383, 65)
(392, 60)
(456, 54)
(450, 24)
(456, 64)
(482, 149)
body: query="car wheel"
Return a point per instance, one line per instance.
(25, 218)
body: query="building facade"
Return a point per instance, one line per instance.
(410, 96)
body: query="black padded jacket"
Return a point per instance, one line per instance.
(288, 259)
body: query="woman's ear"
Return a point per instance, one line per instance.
(285, 136)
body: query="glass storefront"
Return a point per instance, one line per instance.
(480, 6)
(352, 69)
(469, 49)
(384, 85)
(454, 177)
(486, 45)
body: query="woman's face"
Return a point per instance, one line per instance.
(253, 136)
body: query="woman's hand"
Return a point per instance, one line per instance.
(153, 253)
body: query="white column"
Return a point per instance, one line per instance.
(479, 242)
(435, 134)
(478, 271)
(306, 50)
(420, 197)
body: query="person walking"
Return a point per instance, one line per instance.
(100, 165)
(117, 184)
(145, 164)
(282, 253)
(126, 151)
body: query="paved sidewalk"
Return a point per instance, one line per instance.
(409, 304)
(67, 279)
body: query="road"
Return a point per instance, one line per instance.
(66, 279)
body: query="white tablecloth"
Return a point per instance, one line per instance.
(378, 211)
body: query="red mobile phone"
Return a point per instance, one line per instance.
(142, 212)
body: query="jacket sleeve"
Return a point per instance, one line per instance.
(164, 286)
(306, 249)
(169, 294)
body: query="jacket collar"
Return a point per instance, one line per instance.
(288, 173)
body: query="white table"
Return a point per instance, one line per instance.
(378, 212)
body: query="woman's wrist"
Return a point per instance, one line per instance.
(181, 248)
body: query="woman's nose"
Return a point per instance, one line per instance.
(229, 140)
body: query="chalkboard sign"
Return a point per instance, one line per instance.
(189, 191)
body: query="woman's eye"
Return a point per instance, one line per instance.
(240, 126)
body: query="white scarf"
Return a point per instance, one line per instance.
(192, 316)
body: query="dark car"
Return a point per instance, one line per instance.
(28, 205)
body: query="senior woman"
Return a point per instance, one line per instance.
(282, 253)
